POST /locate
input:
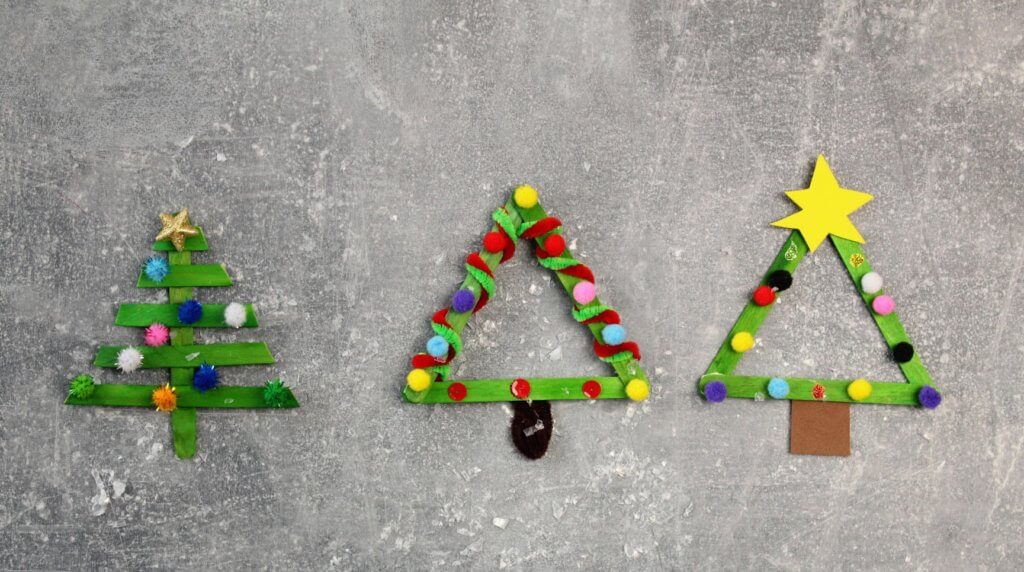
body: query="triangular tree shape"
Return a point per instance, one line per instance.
(522, 217)
(825, 207)
(170, 344)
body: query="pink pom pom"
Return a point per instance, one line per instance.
(883, 305)
(157, 335)
(584, 293)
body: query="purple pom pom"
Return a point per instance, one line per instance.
(715, 392)
(463, 301)
(928, 397)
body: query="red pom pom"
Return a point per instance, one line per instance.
(764, 295)
(494, 242)
(554, 244)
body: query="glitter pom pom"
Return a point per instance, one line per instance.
(205, 378)
(156, 268)
(157, 334)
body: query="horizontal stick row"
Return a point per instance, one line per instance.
(536, 388)
(142, 315)
(223, 397)
(191, 356)
(804, 389)
(188, 276)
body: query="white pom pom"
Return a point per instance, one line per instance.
(871, 282)
(234, 315)
(129, 359)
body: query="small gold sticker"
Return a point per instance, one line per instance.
(856, 259)
(791, 252)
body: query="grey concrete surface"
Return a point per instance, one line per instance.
(345, 157)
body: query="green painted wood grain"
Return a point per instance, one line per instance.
(174, 356)
(192, 243)
(142, 315)
(756, 387)
(191, 276)
(184, 429)
(222, 397)
(541, 389)
(752, 316)
(890, 326)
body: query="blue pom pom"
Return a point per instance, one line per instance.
(156, 268)
(205, 378)
(613, 334)
(189, 312)
(437, 347)
(778, 388)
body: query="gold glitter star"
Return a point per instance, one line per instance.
(176, 228)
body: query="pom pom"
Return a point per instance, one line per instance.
(129, 359)
(463, 300)
(554, 244)
(494, 242)
(742, 342)
(418, 379)
(520, 388)
(871, 282)
(525, 197)
(156, 334)
(437, 347)
(903, 352)
(883, 305)
(165, 398)
(928, 397)
(275, 393)
(780, 280)
(205, 378)
(235, 315)
(592, 389)
(715, 392)
(82, 386)
(778, 388)
(764, 295)
(189, 312)
(637, 389)
(818, 391)
(859, 390)
(613, 334)
(156, 268)
(584, 293)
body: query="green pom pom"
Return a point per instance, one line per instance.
(275, 394)
(82, 386)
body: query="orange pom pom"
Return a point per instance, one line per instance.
(165, 398)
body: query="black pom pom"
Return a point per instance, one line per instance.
(531, 427)
(902, 352)
(780, 280)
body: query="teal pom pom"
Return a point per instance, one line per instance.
(778, 388)
(437, 347)
(275, 394)
(205, 378)
(82, 387)
(189, 312)
(156, 268)
(613, 334)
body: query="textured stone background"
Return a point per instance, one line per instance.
(344, 159)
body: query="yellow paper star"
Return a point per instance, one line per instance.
(176, 227)
(825, 208)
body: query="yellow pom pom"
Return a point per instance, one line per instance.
(165, 398)
(525, 196)
(637, 389)
(742, 342)
(418, 379)
(859, 390)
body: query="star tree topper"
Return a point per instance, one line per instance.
(825, 208)
(176, 228)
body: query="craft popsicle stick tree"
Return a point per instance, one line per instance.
(825, 210)
(170, 343)
(522, 217)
